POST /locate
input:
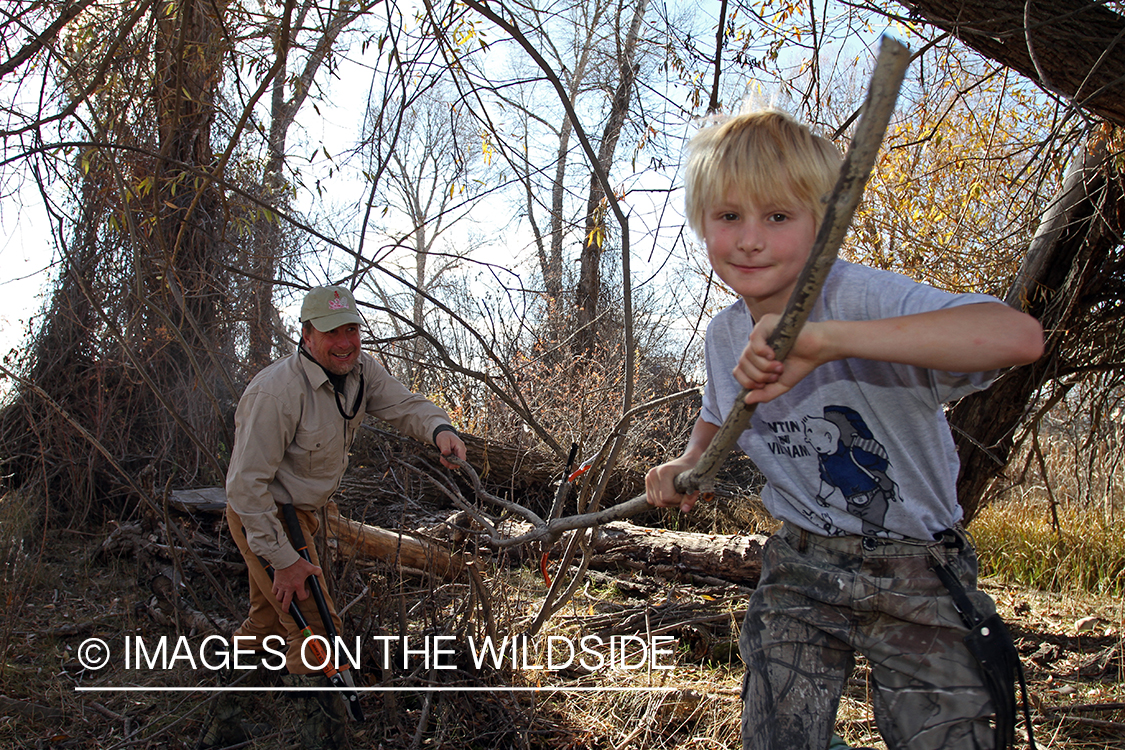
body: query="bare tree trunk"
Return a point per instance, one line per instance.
(178, 272)
(1071, 47)
(589, 280)
(422, 243)
(1058, 285)
(180, 288)
(551, 262)
(268, 239)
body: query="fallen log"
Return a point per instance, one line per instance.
(718, 558)
(364, 540)
(392, 547)
(734, 558)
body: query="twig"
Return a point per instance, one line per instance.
(549, 532)
(484, 598)
(552, 602)
(1116, 726)
(353, 602)
(424, 719)
(77, 628)
(105, 711)
(1083, 707)
(456, 498)
(527, 514)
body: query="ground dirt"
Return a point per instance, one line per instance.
(63, 587)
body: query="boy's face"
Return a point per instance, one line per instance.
(759, 249)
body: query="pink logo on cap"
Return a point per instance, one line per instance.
(336, 303)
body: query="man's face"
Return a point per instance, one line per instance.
(337, 350)
(758, 250)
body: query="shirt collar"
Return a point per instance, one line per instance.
(313, 371)
(316, 374)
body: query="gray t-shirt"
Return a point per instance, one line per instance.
(858, 446)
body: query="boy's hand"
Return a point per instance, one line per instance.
(758, 369)
(660, 488)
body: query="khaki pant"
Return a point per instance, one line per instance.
(266, 617)
(820, 600)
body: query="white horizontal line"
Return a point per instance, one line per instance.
(542, 689)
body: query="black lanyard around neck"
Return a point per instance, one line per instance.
(358, 400)
(338, 383)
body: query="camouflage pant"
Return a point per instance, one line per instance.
(820, 599)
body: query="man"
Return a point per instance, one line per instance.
(293, 429)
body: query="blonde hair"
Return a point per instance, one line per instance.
(764, 155)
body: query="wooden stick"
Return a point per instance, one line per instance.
(854, 172)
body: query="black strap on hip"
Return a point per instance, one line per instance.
(991, 645)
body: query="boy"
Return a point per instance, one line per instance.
(851, 436)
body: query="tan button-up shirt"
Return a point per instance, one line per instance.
(291, 442)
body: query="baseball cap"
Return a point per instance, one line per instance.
(329, 307)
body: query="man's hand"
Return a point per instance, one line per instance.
(759, 371)
(449, 443)
(291, 580)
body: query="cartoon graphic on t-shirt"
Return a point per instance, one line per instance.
(853, 466)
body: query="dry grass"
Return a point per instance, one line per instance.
(1060, 527)
(1021, 543)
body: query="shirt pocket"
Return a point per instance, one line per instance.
(318, 451)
